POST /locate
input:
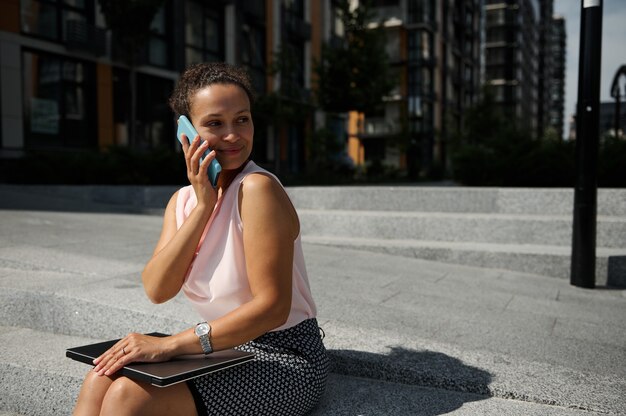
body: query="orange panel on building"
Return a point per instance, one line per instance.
(105, 105)
(10, 16)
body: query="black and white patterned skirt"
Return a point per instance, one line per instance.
(287, 376)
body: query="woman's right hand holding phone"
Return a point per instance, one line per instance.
(197, 172)
(165, 272)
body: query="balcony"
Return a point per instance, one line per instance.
(389, 14)
(378, 127)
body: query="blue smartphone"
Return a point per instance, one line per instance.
(185, 127)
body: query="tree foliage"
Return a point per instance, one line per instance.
(354, 72)
(493, 151)
(291, 102)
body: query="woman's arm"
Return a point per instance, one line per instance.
(165, 272)
(270, 228)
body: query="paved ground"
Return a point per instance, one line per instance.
(407, 337)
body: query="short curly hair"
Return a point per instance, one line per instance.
(202, 75)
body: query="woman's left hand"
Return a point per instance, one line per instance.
(132, 348)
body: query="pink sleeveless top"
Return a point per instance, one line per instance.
(217, 280)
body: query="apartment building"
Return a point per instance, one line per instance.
(65, 85)
(434, 49)
(556, 83)
(525, 62)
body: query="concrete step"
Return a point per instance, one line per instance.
(110, 308)
(528, 201)
(106, 198)
(457, 227)
(544, 260)
(362, 383)
(48, 384)
(104, 310)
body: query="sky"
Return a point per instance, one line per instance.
(613, 48)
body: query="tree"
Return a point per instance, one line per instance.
(493, 151)
(354, 73)
(130, 22)
(290, 102)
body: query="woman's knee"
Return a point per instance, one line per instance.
(124, 396)
(92, 393)
(95, 385)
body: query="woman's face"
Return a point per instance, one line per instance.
(221, 115)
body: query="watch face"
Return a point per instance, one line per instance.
(202, 329)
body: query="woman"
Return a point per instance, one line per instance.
(235, 251)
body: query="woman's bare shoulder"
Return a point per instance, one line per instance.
(263, 194)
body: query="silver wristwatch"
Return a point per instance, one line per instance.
(203, 332)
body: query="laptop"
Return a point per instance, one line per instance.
(166, 373)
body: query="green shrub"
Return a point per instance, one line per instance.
(117, 166)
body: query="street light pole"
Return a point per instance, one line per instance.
(587, 143)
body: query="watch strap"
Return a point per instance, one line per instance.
(205, 341)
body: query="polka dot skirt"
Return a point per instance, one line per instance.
(287, 376)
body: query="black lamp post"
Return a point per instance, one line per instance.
(587, 143)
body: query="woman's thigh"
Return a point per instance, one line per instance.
(123, 396)
(129, 397)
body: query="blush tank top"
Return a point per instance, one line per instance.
(217, 280)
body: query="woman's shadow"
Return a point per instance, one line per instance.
(403, 382)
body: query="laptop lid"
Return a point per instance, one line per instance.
(166, 373)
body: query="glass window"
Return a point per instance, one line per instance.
(420, 11)
(468, 74)
(159, 44)
(59, 101)
(193, 56)
(393, 47)
(204, 32)
(212, 36)
(496, 72)
(39, 19)
(75, 3)
(157, 54)
(159, 25)
(51, 19)
(71, 18)
(386, 3)
(292, 68)
(153, 122)
(193, 27)
(415, 106)
(495, 17)
(253, 54)
(295, 7)
(499, 93)
(420, 45)
(497, 34)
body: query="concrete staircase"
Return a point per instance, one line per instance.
(538, 341)
(527, 230)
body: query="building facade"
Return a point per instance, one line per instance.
(556, 85)
(512, 34)
(525, 62)
(608, 120)
(546, 62)
(434, 49)
(65, 83)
